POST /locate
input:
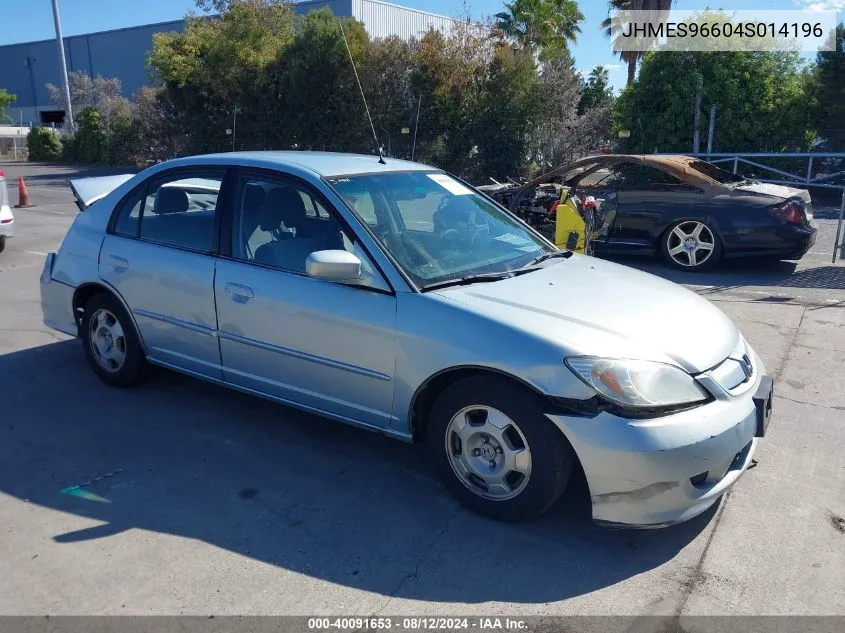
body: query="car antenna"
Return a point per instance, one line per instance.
(363, 98)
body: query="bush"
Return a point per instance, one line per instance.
(89, 143)
(44, 144)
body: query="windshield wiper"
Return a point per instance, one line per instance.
(545, 256)
(469, 279)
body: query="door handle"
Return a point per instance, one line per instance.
(118, 264)
(239, 293)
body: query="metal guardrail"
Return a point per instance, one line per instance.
(806, 177)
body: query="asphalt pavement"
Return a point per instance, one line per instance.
(179, 497)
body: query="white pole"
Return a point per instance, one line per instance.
(416, 127)
(63, 66)
(696, 116)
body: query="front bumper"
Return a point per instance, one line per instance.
(57, 301)
(660, 471)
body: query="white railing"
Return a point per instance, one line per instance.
(805, 177)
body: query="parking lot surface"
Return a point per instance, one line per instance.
(179, 497)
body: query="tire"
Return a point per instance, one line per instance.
(701, 240)
(111, 343)
(2, 243)
(535, 480)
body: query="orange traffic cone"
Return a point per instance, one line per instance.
(23, 195)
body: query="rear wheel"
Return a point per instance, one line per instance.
(2, 243)
(691, 245)
(110, 342)
(495, 450)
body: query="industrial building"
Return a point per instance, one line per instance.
(26, 68)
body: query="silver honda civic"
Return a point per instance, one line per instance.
(395, 297)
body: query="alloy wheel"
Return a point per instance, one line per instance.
(690, 244)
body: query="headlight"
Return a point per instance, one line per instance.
(637, 383)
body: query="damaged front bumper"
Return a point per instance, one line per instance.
(661, 471)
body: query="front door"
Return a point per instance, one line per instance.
(324, 346)
(158, 254)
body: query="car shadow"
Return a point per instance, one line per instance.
(182, 457)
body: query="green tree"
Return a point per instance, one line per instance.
(827, 85)
(319, 105)
(543, 27)
(44, 144)
(220, 64)
(632, 58)
(6, 99)
(759, 96)
(386, 73)
(506, 113)
(449, 73)
(596, 90)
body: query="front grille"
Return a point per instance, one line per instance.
(735, 370)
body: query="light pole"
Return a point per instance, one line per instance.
(63, 66)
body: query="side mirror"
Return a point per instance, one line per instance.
(333, 266)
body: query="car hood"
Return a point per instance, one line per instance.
(595, 307)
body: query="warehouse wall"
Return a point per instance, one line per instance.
(383, 19)
(26, 68)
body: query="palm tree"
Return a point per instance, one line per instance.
(632, 58)
(541, 26)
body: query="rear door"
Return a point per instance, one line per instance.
(159, 254)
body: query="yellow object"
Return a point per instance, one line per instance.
(570, 228)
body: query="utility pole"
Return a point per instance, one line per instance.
(63, 66)
(711, 130)
(696, 143)
(234, 125)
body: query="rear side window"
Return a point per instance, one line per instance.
(128, 222)
(179, 211)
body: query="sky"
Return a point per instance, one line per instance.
(33, 20)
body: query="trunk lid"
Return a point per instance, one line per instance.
(87, 191)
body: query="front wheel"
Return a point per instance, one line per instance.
(495, 450)
(691, 245)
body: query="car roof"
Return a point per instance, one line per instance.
(676, 164)
(324, 164)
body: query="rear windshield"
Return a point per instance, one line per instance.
(716, 173)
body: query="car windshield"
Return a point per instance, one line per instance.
(716, 173)
(436, 228)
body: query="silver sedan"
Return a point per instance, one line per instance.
(397, 298)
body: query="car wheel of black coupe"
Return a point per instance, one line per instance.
(110, 342)
(691, 245)
(495, 450)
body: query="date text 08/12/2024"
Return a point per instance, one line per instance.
(419, 623)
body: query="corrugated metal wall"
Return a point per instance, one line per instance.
(341, 8)
(383, 19)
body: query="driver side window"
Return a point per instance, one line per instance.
(280, 223)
